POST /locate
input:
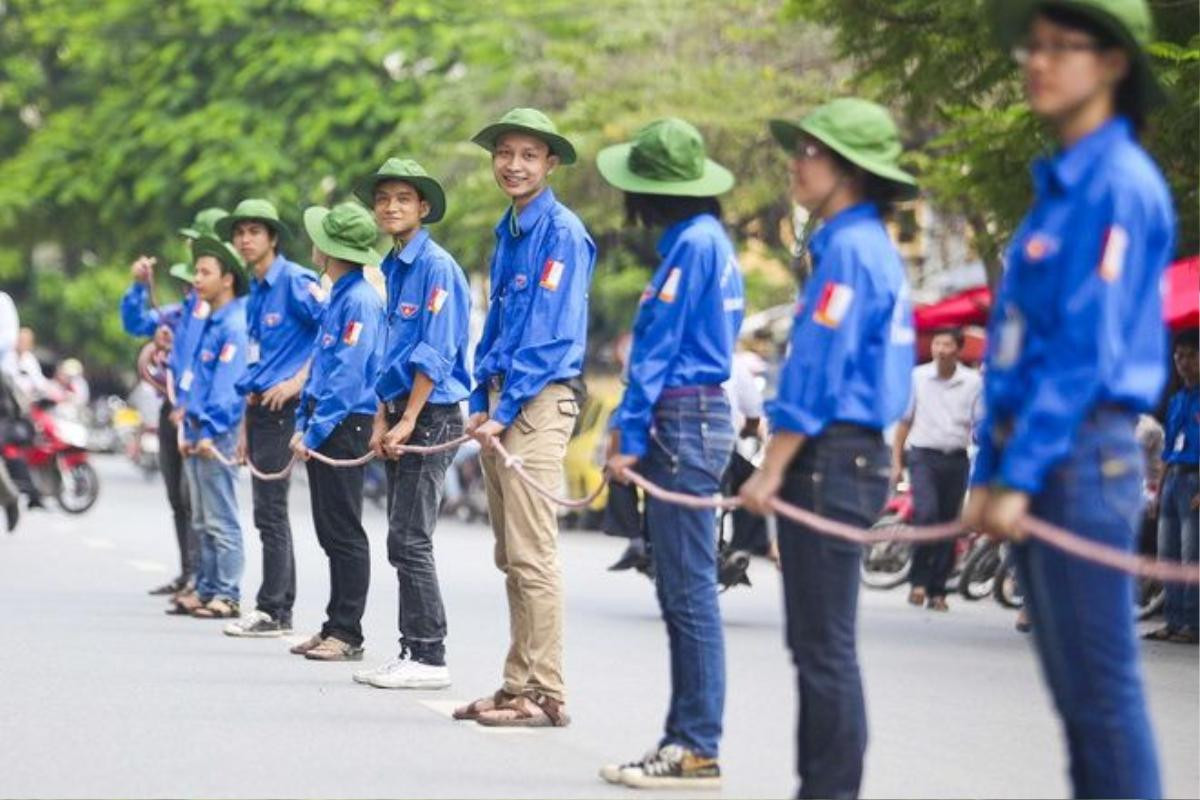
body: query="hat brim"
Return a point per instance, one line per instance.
(224, 226)
(1010, 20)
(208, 246)
(182, 271)
(558, 145)
(788, 134)
(613, 163)
(430, 190)
(189, 233)
(314, 219)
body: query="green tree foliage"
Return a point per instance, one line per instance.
(960, 96)
(119, 119)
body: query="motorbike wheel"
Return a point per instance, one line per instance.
(1008, 591)
(886, 565)
(78, 489)
(979, 571)
(1149, 598)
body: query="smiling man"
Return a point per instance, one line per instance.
(528, 372)
(283, 315)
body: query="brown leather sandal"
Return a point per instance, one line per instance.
(530, 710)
(472, 710)
(217, 609)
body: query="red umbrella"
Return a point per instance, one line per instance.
(969, 307)
(1181, 294)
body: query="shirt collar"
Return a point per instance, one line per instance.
(227, 309)
(410, 251)
(273, 270)
(671, 235)
(1067, 167)
(844, 218)
(530, 215)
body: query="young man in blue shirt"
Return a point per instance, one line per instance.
(283, 314)
(422, 383)
(528, 371)
(334, 419)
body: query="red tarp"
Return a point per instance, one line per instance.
(969, 307)
(1181, 290)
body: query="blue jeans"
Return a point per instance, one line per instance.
(1082, 617)
(215, 519)
(843, 475)
(689, 449)
(1178, 527)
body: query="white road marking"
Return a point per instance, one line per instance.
(147, 566)
(97, 543)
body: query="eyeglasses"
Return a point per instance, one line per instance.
(1053, 50)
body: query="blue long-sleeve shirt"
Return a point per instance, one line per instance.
(139, 319)
(686, 325)
(852, 347)
(342, 379)
(283, 314)
(536, 328)
(1077, 321)
(187, 340)
(428, 316)
(214, 405)
(1182, 432)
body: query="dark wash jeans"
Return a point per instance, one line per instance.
(689, 450)
(337, 501)
(171, 464)
(269, 435)
(841, 474)
(939, 483)
(416, 484)
(1082, 624)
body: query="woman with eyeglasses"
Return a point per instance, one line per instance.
(1076, 350)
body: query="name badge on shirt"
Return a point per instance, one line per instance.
(253, 352)
(1011, 339)
(1180, 441)
(185, 381)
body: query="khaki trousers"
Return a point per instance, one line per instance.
(526, 529)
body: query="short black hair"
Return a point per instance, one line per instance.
(1189, 338)
(881, 192)
(953, 332)
(1128, 102)
(660, 210)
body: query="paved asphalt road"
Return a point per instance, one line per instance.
(101, 694)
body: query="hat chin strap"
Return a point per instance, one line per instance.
(810, 226)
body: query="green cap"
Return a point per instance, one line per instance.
(665, 157)
(859, 131)
(347, 231)
(183, 271)
(204, 223)
(254, 209)
(409, 171)
(223, 252)
(1127, 21)
(532, 122)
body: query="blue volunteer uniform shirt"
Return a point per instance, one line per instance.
(283, 314)
(852, 347)
(428, 314)
(686, 325)
(1183, 428)
(214, 406)
(139, 319)
(342, 379)
(536, 328)
(1077, 320)
(187, 340)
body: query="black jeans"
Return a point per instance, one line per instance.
(268, 436)
(842, 474)
(171, 465)
(415, 487)
(337, 502)
(939, 482)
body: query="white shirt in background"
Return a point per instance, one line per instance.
(943, 413)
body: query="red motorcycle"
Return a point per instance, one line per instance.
(57, 458)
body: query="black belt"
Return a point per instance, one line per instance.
(958, 452)
(848, 430)
(398, 405)
(495, 383)
(709, 390)
(1186, 469)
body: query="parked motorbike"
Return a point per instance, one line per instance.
(886, 565)
(57, 458)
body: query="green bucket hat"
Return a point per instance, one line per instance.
(665, 157)
(409, 171)
(347, 231)
(253, 209)
(223, 252)
(859, 131)
(203, 224)
(532, 122)
(1127, 21)
(182, 271)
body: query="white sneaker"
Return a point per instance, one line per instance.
(411, 674)
(254, 624)
(364, 675)
(612, 772)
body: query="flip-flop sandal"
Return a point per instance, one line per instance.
(546, 713)
(217, 609)
(472, 710)
(1163, 634)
